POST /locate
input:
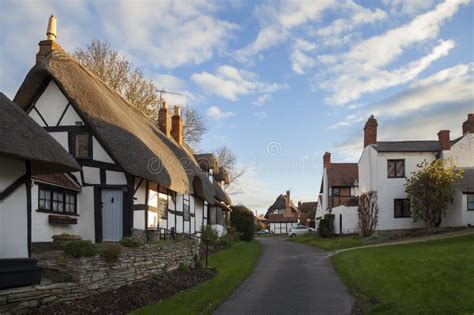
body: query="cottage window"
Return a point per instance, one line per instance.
(395, 168)
(470, 202)
(186, 208)
(212, 215)
(57, 200)
(219, 215)
(402, 208)
(81, 145)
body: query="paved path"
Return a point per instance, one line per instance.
(290, 278)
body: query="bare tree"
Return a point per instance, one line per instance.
(117, 72)
(368, 213)
(227, 159)
(193, 127)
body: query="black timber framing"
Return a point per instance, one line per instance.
(64, 112)
(17, 183)
(28, 205)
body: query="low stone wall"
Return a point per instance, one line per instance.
(92, 275)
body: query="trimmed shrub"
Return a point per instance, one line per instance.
(326, 226)
(242, 219)
(80, 249)
(209, 235)
(111, 252)
(130, 241)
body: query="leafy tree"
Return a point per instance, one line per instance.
(227, 158)
(242, 219)
(431, 190)
(118, 73)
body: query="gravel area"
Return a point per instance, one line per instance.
(131, 297)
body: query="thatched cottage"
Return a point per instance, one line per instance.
(136, 174)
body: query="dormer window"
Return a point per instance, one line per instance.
(81, 145)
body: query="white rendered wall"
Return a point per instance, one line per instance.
(51, 104)
(62, 138)
(220, 229)
(91, 175)
(462, 152)
(99, 153)
(115, 178)
(13, 212)
(350, 219)
(70, 117)
(325, 195)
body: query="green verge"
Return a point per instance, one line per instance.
(328, 244)
(433, 277)
(233, 266)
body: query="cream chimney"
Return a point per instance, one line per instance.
(51, 31)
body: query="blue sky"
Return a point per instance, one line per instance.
(280, 82)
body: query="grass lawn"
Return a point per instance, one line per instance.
(435, 277)
(328, 244)
(233, 266)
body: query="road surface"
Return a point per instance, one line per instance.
(290, 278)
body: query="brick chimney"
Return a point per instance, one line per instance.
(287, 204)
(164, 120)
(326, 160)
(370, 131)
(177, 126)
(444, 141)
(468, 125)
(49, 45)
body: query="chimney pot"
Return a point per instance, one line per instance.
(51, 31)
(327, 160)
(444, 140)
(177, 126)
(370, 131)
(468, 125)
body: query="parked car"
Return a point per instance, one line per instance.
(299, 230)
(263, 232)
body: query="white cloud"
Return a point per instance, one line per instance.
(458, 71)
(299, 60)
(216, 113)
(262, 100)
(168, 82)
(277, 19)
(230, 83)
(260, 115)
(409, 7)
(363, 68)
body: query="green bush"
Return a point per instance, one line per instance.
(326, 226)
(226, 241)
(111, 252)
(130, 242)
(80, 249)
(242, 219)
(209, 235)
(183, 268)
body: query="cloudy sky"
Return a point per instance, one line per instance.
(280, 82)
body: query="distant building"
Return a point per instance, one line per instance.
(282, 214)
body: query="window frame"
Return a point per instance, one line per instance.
(395, 168)
(72, 144)
(186, 205)
(467, 202)
(51, 189)
(403, 201)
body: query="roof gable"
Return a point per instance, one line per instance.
(343, 174)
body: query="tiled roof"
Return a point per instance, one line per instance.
(306, 207)
(60, 180)
(343, 174)
(407, 146)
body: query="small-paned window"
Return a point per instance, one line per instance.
(395, 168)
(81, 145)
(402, 208)
(470, 202)
(186, 208)
(57, 200)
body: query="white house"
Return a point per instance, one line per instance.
(282, 214)
(385, 165)
(338, 194)
(26, 151)
(136, 174)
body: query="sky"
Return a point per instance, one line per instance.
(279, 82)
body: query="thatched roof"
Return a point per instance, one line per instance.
(221, 194)
(22, 138)
(280, 203)
(222, 175)
(133, 141)
(207, 161)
